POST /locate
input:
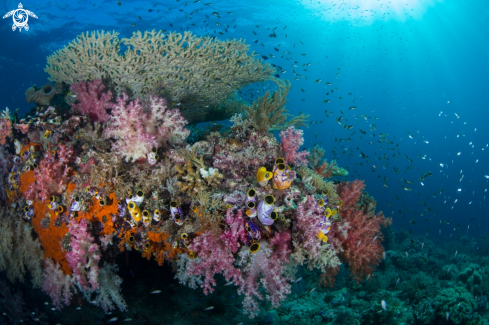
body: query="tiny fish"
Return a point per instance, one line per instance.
(312, 290)
(53, 309)
(138, 17)
(448, 315)
(407, 255)
(78, 308)
(113, 319)
(383, 255)
(384, 305)
(359, 243)
(398, 281)
(298, 280)
(229, 283)
(155, 292)
(374, 239)
(456, 253)
(128, 320)
(46, 303)
(422, 245)
(209, 308)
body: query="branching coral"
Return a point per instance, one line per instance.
(138, 126)
(268, 112)
(196, 71)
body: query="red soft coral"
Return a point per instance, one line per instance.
(291, 141)
(362, 249)
(92, 101)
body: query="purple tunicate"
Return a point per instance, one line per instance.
(265, 209)
(176, 213)
(253, 230)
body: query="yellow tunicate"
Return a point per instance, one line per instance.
(327, 213)
(263, 176)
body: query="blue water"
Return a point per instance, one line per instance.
(414, 69)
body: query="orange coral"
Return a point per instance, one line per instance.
(97, 213)
(50, 237)
(161, 249)
(37, 146)
(125, 238)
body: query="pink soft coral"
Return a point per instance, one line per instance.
(139, 126)
(361, 249)
(56, 284)
(5, 129)
(92, 101)
(306, 227)
(52, 175)
(291, 141)
(84, 256)
(266, 267)
(214, 256)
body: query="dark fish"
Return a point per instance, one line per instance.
(264, 57)
(215, 13)
(119, 3)
(150, 10)
(138, 17)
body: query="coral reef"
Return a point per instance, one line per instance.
(116, 174)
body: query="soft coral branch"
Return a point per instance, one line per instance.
(92, 101)
(291, 141)
(52, 176)
(362, 249)
(139, 126)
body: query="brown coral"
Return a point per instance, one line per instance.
(42, 96)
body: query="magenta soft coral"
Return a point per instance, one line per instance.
(92, 101)
(84, 256)
(52, 174)
(291, 141)
(361, 249)
(139, 126)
